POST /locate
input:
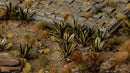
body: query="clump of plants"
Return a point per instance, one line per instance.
(125, 27)
(13, 11)
(98, 45)
(66, 44)
(4, 45)
(111, 3)
(65, 15)
(10, 10)
(59, 29)
(94, 59)
(25, 16)
(31, 41)
(25, 50)
(44, 34)
(76, 57)
(83, 34)
(121, 16)
(88, 15)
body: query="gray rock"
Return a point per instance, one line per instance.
(97, 16)
(69, 1)
(124, 1)
(85, 8)
(81, 19)
(59, 18)
(100, 5)
(108, 10)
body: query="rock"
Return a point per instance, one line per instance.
(7, 60)
(14, 23)
(108, 10)
(124, 1)
(106, 65)
(10, 64)
(124, 67)
(100, 5)
(97, 16)
(74, 68)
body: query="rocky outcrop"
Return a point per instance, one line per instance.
(9, 63)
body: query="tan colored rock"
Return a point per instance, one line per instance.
(7, 60)
(10, 64)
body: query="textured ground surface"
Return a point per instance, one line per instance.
(50, 10)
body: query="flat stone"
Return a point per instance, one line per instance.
(113, 21)
(59, 18)
(106, 65)
(81, 19)
(101, 21)
(37, 18)
(69, 1)
(90, 22)
(43, 2)
(124, 1)
(81, 14)
(100, 5)
(51, 16)
(97, 16)
(7, 60)
(85, 8)
(99, 0)
(92, 2)
(124, 67)
(108, 10)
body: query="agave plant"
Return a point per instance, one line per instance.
(102, 35)
(125, 27)
(59, 29)
(10, 9)
(25, 16)
(98, 45)
(84, 35)
(4, 45)
(66, 44)
(25, 50)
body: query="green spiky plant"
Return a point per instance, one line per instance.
(59, 29)
(25, 16)
(66, 44)
(84, 35)
(98, 45)
(10, 10)
(102, 35)
(4, 45)
(25, 50)
(125, 27)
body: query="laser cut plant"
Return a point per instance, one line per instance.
(4, 45)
